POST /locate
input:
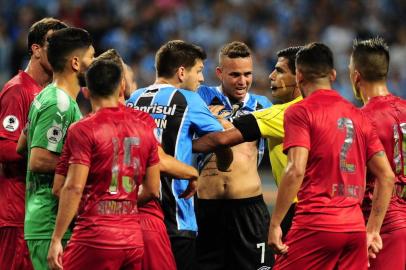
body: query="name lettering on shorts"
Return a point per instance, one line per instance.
(117, 208)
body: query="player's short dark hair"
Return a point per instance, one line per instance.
(371, 58)
(63, 42)
(315, 61)
(290, 54)
(112, 55)
(235, 49)
(103, 77)
(175, 54)
(38, 31)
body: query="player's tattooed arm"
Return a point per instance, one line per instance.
(217, 140)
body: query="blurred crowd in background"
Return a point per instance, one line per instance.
(137, 28)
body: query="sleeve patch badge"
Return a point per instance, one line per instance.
(54, 134)
(11, 123)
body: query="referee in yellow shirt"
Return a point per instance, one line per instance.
(266, 123)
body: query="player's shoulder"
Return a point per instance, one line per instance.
(263, 101)
(190, 96)
(14, 86)
(136, 94)
(52, 96)
(205, 89)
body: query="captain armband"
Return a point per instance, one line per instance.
(248, 126)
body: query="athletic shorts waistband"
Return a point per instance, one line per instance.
(250, 200)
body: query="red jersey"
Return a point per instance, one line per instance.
(340, 141)
(388, 114)
(15, 100)
(118, 146)
(153, 207)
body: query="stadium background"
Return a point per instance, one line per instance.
(137, 28)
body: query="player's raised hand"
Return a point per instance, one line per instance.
(55, 255)
(275, 240)
(190, 190)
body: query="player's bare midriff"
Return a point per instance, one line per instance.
(242, 181)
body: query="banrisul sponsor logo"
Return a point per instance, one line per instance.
(157, 109)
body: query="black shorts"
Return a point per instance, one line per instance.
(184, 251)
(233, 234)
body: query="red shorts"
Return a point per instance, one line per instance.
(393, 254)
(323, 250)
(77, 256)
(157, 247)
(13, 249)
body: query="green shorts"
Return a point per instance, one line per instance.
(39, 252)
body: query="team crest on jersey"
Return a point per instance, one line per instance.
(54, 134)
(11, 123)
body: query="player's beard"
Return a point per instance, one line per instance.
(81, 79)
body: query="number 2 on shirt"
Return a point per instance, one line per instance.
(127, 182)
(349, 139)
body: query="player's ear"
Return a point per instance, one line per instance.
(357, 77)
(333, 75)
(181, 73)
(299, 77)
(75, 63)
(219, 73)
(122, 87)
(85, 92)
(36, 50)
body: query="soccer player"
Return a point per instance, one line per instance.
(179, 113)
(233, 218)
(15, 100)
(157, 249)
(70, 52)
(368, 67)
(266, 123)
(328, 142)
(113, 151)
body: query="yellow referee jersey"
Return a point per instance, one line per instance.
(270, 123)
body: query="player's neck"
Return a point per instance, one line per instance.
(373, 89)
(311, 87)
(104, 102)
(38, 73)
(68, 82)
(170, 81)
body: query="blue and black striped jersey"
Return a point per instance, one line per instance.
(213, 95)
(179, 115)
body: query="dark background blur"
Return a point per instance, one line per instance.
(138, 28)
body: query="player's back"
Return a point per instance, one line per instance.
(336, 134)
(118, 147)
(388, 114)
